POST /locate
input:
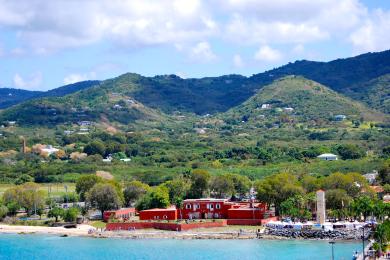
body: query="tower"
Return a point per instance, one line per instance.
(24, 150)
(321, 217)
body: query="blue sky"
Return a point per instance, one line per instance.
(46, 44)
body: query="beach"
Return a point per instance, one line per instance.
(81, 230)
(85, 230)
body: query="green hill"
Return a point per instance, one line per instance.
(102, 103)
(303, 100)
(11, 96)
(376, 93)
(354, 77)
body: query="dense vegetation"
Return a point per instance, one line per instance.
(10, 96)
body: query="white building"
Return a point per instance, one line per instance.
(49, 149)
(340, 117)
(327, 157)
(265, 106)
(288, 109)
(371, 177)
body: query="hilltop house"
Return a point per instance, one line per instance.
(265, 106)
(371, 177)
(288, 109)
(47, 149)
(340, 117)
(328, 157)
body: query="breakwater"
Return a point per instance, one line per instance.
(342, 234)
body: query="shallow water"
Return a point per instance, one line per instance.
(14, 246)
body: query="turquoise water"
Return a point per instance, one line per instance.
(53, 247)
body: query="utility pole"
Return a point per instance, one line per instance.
(364, 257)
(332, 243)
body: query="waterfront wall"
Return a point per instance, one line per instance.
(164, 226)
(244, 222)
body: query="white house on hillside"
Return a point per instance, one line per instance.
(49, 149)
(327, 157)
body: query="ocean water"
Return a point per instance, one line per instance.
(13, 246)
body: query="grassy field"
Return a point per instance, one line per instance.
(57, 189)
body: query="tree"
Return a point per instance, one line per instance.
(56, 213)
(386, 188)
(386, 150)
(178, 189)
(71, 214)
(222, 186)
(156, 198)
(310, 183)
(199, 183)
(104, 196)
(33, 199)
(295, 207)
(337, 199)
(134, 190)
(350, 151)
(23, 179)
(382, 233)
(95, 147)
(277, 188)
(3, 211)
(242, 184)
(27, 196)
(384, 173)
(381, 209)
(363, 205)
(352, 183)
(85, 183)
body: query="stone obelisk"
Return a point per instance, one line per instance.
(321, 217)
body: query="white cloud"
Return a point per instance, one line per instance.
(237, 61)
(267, 54)
(77, 77)
(373, 35)
(202, 52)
(32, 82)
(291, 21)
(52, 25)
(298, 49)
(49, 26)
(17, 52)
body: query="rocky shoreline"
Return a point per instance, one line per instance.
(341, 234)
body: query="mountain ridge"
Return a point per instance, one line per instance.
(169, 93)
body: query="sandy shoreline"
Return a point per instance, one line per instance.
(81, 230)
(84, 230)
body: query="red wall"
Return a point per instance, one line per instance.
(245, 213)
(246, 222)
(163, 214)
(164, 226)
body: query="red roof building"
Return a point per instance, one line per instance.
(254, 211)
(209, 209)
(205, 208)
(125, 213)
(158, 214)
